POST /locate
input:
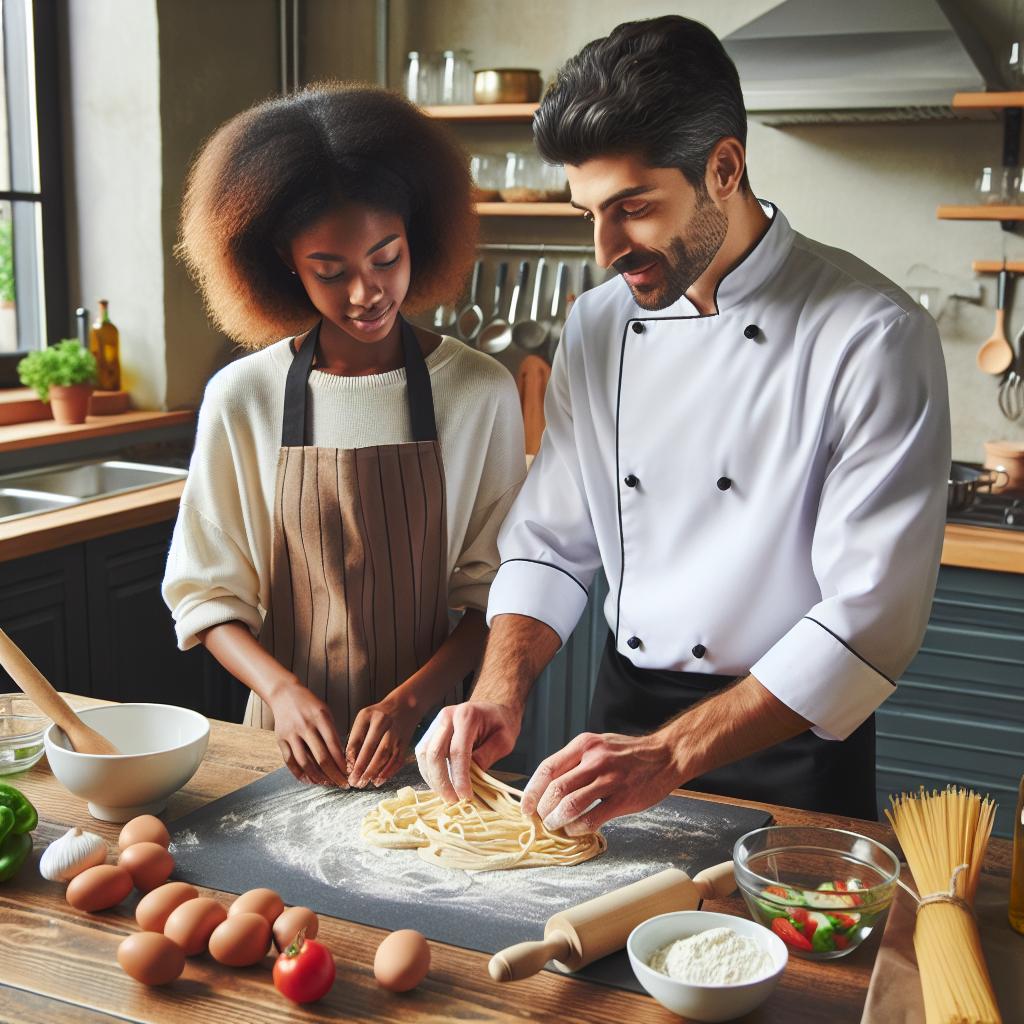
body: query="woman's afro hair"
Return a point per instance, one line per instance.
(273, 169)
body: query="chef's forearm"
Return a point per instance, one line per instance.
(729, 726)
(456, 658)
(234, 646)
(518, 649)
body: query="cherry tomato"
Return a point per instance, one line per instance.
(785, 931)
(304, 972)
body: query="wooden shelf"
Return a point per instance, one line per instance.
(1001, 213)
(987, 100)
(485, 113)
(994, 266)
(527, 210)
(16, 436)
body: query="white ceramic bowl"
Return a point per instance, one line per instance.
(702, 1002)
(161, 747)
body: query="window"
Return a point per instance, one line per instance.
(33, 262)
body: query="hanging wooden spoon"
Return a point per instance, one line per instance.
(995, 354)
(84, 739)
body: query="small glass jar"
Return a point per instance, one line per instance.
(411, 76)
(488, 173)
(455, 77)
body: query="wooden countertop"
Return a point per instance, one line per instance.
(979, 547)
(59, 964)
(16, 436)
(51, 530)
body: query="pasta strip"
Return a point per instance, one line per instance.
(487, 833)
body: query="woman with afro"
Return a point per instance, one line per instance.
(351, 472)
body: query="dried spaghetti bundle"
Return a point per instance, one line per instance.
(944, 837)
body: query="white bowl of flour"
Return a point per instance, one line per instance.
(708, 967)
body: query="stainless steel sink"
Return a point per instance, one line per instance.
(15, 503)
(42, 490)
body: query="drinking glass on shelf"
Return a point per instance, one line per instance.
(992, 185)
(411, 74)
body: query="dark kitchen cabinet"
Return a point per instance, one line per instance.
(43, 610)
(92, 619)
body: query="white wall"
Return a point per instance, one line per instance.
(115, 164)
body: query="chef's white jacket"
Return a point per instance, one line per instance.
(765, 487)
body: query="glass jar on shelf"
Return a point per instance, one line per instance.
(488, 173)
(455, 77)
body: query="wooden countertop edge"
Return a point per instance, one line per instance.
(977, 547)
(35, 434)
(50, 530)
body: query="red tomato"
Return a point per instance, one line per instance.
(804, 922)
(304, 972)
(789, 935)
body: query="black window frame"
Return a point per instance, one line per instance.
(50, 197)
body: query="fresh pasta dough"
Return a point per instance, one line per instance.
(487, 833)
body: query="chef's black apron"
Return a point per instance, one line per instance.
(830, 776)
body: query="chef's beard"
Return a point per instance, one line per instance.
(683, 262)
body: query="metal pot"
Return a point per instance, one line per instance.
(966, 483)
(506, 85)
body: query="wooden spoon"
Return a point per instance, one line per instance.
(84, 739)
(996, 354)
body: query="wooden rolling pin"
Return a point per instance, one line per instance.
(583, 934)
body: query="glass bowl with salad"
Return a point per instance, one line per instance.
(821, 890)
(22, 726)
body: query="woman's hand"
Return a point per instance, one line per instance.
(307, 736)
(380, 739)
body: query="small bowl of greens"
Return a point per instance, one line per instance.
(821, 890)
(22, 726)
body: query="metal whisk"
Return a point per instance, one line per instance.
(1011, 387)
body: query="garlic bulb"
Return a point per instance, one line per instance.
(71, 855)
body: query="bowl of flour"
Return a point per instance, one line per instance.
(708, 967)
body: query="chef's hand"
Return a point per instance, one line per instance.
(307, 736)
(378, 741)
(474, 731)
(624, 773)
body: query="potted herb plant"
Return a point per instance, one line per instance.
(63, 375)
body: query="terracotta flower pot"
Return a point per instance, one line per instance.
(70, 404)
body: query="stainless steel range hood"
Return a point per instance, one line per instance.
(822, 61)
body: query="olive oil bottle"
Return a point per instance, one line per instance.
(105, 345)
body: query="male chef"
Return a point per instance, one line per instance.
(748, 431)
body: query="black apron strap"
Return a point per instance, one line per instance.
(417, 386)
(419, 393)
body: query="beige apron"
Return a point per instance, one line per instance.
(359, 567)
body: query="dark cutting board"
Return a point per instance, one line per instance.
(303, 841)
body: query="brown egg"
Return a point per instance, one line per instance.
(155, 907)
(402, 961)
(241, 940)
(192, 924)
(149, 864)
(265, 902)
(291, 922)
(151, 958)
(99, 887)
(144, 829)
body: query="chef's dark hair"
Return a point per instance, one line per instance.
(663, 89)
(273, 169)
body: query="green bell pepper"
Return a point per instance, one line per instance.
(14, 851)
(6, 822)
(25, 816)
